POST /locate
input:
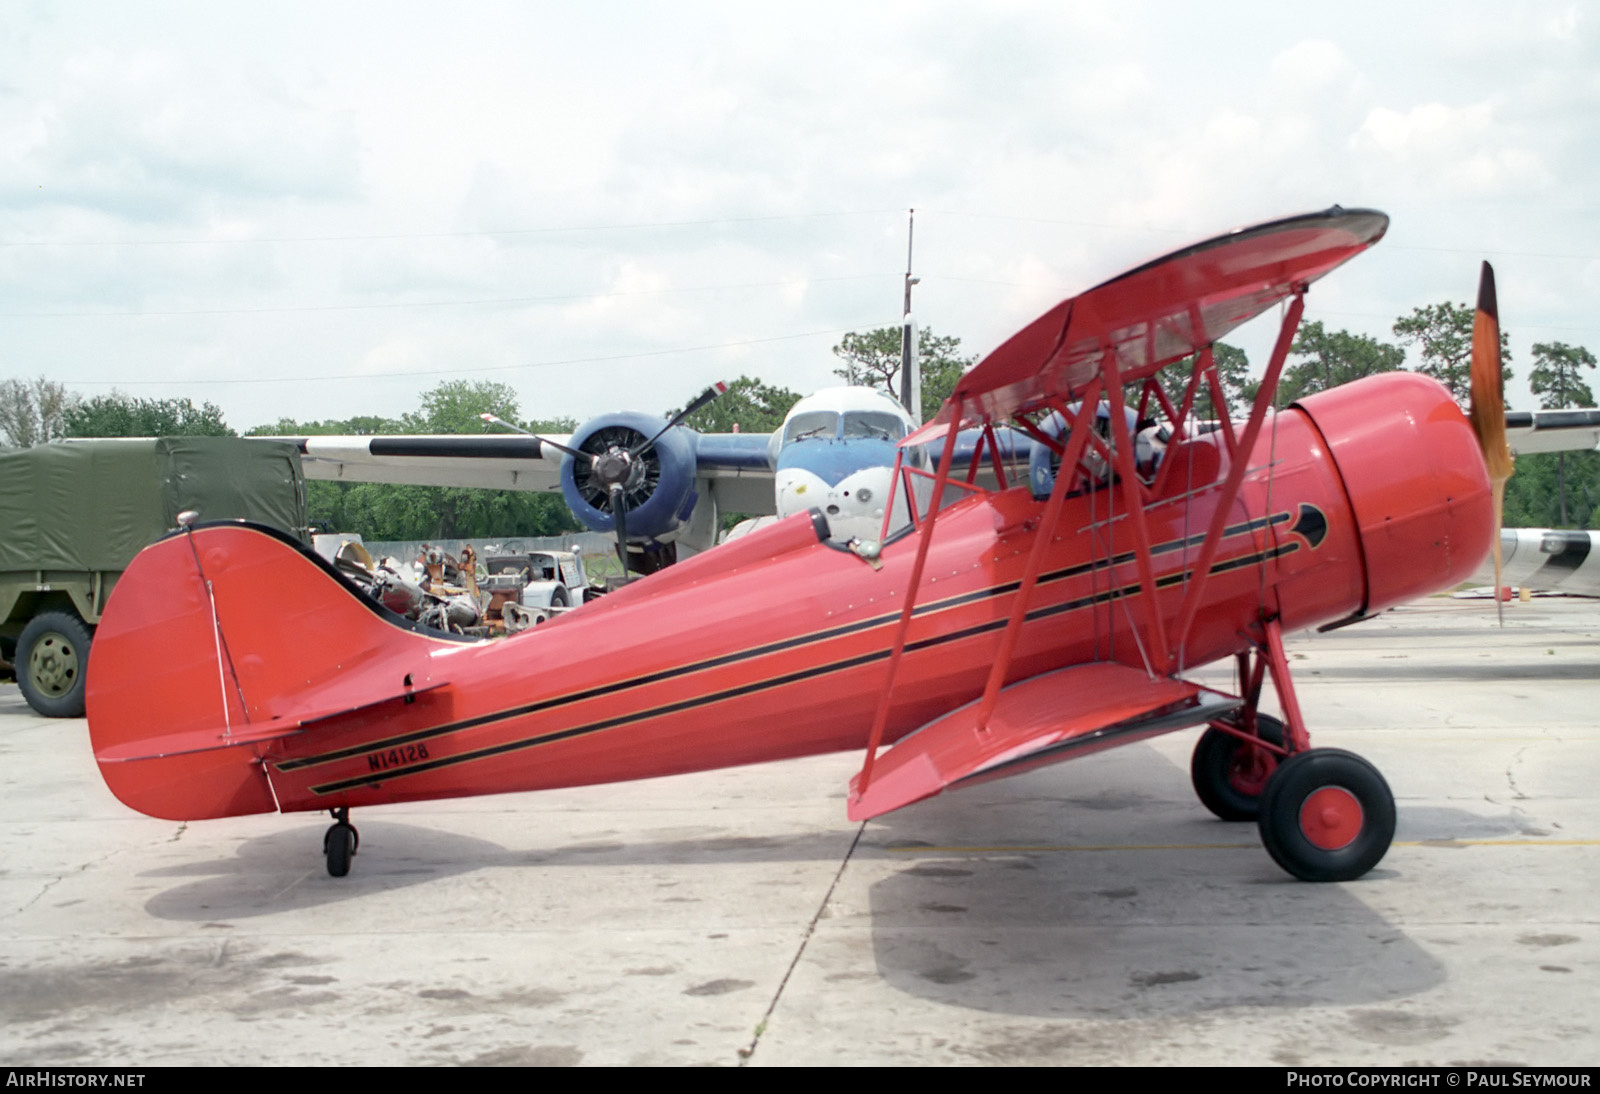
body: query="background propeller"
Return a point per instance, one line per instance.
(1488, 409)
(614, 469)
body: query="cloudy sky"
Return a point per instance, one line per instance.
(321, 210)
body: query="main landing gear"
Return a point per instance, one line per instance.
(1229, 772)
(1324, 814)
(339, 843)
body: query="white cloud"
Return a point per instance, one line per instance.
(1045, 146)
(1314, 62)
(1459, 148)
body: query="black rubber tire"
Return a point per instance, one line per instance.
(339, 844)
(53, 663)
(1218, 769)
(1283, 818)
(558, 599)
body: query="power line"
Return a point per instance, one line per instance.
(454, 371)
(1190, 233)
(484, 233)
(489, 301)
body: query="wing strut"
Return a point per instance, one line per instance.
(924, 540)
(1135, 501)
(1238, 466)
(1082, 430)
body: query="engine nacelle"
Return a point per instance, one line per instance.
(660, 494)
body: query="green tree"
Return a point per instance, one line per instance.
(1554, 490)
(385, 511)
(361, 425)
(34, 411)
(1330, 358)
(120, 415)
(748, 405)
(872, 359)
(1443, 332)
(1557, 378)
(1233, 372)
(455, 406)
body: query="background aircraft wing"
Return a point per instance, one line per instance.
(1160, 312)
(503, 461)
(1552, 430)
(496, 462)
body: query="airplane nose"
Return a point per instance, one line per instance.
(1415, 478)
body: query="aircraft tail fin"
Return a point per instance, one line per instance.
(217, 645)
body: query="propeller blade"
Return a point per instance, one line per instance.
(495, 419)
(700, 400)
(619, 513)
(1488, 409)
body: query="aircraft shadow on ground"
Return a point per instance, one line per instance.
(283, 871)
(1136, 909)
(1087, 893)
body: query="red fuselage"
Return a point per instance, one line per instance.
(771, 647)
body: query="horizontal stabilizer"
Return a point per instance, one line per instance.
(1041, 720)
(204, 740)
(195, 740)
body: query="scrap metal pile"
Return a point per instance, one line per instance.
(448, 593)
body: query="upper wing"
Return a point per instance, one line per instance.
(1160, 312)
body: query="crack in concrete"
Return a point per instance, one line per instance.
(1511, 777)
(749, 1050)
(53, 882)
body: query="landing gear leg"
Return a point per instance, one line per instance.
(340, 842)
(1325, 814)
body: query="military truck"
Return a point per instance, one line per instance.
(74, 513)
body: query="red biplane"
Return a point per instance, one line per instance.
(1000, 630)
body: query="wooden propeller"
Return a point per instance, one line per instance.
(1488, 408)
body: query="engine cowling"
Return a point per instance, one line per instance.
(1415, 478)
(659, 493)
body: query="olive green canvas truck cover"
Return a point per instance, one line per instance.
(73, 514)
(94, 504)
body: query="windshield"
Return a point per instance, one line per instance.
(873, 423)
(813, 423)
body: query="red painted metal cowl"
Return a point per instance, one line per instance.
(1415, 480)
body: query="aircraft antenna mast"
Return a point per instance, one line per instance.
(910, 368)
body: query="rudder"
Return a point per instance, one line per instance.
(181, 709)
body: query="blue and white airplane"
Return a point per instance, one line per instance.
(835, 452)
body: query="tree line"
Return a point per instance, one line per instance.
(1548, 490)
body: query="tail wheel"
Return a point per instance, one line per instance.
(339, 843)
(1327, 815)
(1229, 773)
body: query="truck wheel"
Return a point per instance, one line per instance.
(558, 599)
(52, 659)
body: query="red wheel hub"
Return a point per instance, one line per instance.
(1331, 818)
